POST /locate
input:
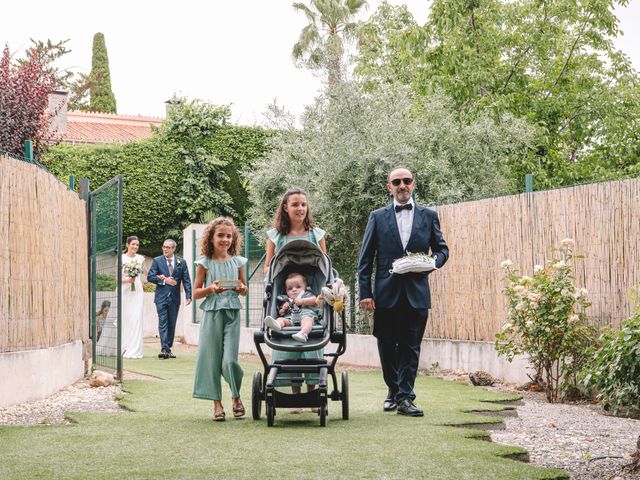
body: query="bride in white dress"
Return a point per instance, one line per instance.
(132, 304)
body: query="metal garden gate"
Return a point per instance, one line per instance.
(105, 268)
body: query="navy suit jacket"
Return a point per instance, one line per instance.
(180, 275)
(382, 241)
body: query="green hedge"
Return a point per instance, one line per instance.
(105, 283)
(239, 146)
(154, 174)
(151, 179)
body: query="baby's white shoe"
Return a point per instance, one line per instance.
(272, 323)
(300, 336)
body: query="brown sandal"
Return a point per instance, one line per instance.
(218, 416)
(239, 411)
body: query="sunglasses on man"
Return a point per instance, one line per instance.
(396, 181)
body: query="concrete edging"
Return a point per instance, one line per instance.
(362, 350)
(36, 374)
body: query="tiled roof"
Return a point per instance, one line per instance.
(93, 127)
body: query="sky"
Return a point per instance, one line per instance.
(235, 52)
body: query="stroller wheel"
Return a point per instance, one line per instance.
(344, 395)
(271, 413)
(256, 395)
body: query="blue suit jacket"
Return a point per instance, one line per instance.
(180, 274)
(382, 241)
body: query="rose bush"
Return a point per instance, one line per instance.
(547, 322)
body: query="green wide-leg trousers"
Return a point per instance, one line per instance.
(218, 355)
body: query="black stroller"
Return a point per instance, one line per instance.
(306, 258)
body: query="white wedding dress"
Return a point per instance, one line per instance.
(132, 307)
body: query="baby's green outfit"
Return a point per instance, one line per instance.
(297, 313)
(219, 333)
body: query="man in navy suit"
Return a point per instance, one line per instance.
(167, 272)
(400, 302)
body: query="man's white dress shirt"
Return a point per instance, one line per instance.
(405, 222)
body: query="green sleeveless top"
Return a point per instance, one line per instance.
(221, 270)
(314, 236)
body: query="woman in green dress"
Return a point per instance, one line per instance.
(293, 221)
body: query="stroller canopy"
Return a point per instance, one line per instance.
(303, 254)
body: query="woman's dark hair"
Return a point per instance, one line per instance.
(210, 231)
(281, 222)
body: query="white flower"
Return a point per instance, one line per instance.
(568, 243)
(529, 323)
(560, 264)
(524, 280)
(573, 318)
(507, 326)
(520, 290)
(537, 268)
(582, 293)
(535, 298)
(506, 264)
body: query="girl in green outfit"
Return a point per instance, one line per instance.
(220, 326)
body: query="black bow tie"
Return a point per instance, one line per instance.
(406, 206)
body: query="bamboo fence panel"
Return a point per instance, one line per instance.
(43, 259)
(602, 218)
(4, 253)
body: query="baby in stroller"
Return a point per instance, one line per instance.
(297, 308)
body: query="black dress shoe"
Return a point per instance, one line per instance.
(390, 404)
(407, 407)
(163, 355)
(170, 354)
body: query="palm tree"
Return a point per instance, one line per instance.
(321, 42)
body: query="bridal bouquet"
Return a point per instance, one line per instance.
(413, 262)
(132, 270)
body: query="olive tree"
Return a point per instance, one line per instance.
(350, 139)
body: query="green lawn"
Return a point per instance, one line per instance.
(169, 435)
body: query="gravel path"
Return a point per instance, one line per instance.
(577, 438)
(79, 397)
(571, 437)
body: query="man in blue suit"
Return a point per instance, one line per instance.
(168, 271)
(400, 303)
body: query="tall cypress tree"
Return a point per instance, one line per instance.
(102, 97)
